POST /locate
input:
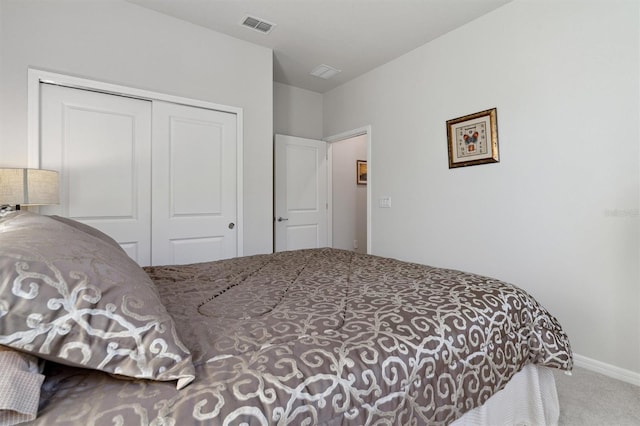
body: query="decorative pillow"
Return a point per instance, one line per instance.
(88, 229)
(71, 298)
(20, 382)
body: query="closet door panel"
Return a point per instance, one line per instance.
(194, 184)
(101, 146)
(94, 139)
(196, 156)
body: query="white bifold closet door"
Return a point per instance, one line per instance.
(194, 184)
(100, 145)
(160, 178)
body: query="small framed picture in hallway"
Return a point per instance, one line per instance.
(361, 172)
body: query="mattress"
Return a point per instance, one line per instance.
(324, 336)
(308, 337)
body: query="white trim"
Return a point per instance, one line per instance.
(239, 183)
(609, 370)
(36, 76)
(366, 130)
(329, 194)
(348, 135)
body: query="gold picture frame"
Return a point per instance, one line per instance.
(361, 172)
(473, 139)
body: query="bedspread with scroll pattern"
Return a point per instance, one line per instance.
(326, 336)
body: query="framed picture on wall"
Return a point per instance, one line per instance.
(473, 139)
(361, 172)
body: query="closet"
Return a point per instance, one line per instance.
(159, 177)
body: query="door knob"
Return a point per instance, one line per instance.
(281, 219)
(232, 225)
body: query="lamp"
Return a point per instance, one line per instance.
(29, 187)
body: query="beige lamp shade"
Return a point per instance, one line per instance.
(29, 187)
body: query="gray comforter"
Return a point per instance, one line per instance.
(322, 337)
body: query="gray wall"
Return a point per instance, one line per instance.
(297, 112)
(118, 42)
(559, 215)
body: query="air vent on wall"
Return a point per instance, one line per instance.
(257, 24)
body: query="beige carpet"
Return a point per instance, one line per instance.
(592, 399)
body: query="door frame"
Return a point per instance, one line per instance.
(36, 76)
(366, 130)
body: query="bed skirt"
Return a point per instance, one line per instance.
(530, 398)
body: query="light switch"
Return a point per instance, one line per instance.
(384, 202)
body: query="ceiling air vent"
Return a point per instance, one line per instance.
(257, 24)
(325, 71)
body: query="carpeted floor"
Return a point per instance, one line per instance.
(592, 399)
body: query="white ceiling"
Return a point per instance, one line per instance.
(354, 36)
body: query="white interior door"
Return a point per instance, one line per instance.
(194, 184)
(300, 193)
(101, 146)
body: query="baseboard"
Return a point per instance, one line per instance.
(607, 369)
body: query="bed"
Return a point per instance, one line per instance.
(309, 337)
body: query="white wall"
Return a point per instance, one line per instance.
(2, 94)
(118, 42)
(349, 200)
(297, 112)
(559, 215)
